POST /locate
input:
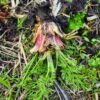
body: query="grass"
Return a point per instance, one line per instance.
(37, 77)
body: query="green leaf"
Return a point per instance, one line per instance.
(86, 39)
(4, 82)
(3, 1)
(69, 1)
(20, 22)
(94, 62)
(95, 41)
(76, 22)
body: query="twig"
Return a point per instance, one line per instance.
(58, 93)
(62, 91)
(92, 17)
(96, 96)
(22, 50)
(65, 15)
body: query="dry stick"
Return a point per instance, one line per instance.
(97, 26)
(68, 16)
(22, 50)
(8, 49)
(15, 66)
(62, 91)
(28, 3)
(92, 18)
(9, 43)
(96, 96)
(1, 36)
(8, 54)
(7, 61)
(58, 93)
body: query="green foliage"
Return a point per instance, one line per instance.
(3, 1)
(95, 41)
(20, 22)
(76, 76)
(4, 82)
(94, 62)
(69, 1)
(79, 78)
(98, 1)
(35, 80)
(37, 89)
(37, 77)
(76, 22)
